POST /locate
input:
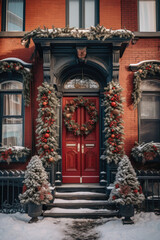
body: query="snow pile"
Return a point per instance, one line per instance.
(15, 226)
(146, 227)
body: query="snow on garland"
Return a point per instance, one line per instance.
(146, 70)
(36, 187)
(7, 154)
(74, 127)
(26, 74)
(146, 152)
(113, 123)
(127, 189)
(94, 33)
(46, 124)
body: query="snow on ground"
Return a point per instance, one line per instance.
(15, 226)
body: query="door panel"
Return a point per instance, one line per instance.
(80, 154)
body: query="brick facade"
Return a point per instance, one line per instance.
(113, 14)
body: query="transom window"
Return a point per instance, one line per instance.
(11, 113)
(149, 127)
(81, 83)
(13, 15)
(82, 13)
(149, 13)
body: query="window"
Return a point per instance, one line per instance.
(149, 122)
(149, 12)
(11, 113)
(13, 15)
(81, 83)
(82, 13)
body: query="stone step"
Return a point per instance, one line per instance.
(81, 195)
(79, 213)
(75, 204)
(81, 188)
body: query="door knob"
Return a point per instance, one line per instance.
(78, 147)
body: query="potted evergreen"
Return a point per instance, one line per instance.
(36, 191)
(127, 191)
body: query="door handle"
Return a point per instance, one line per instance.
(78, 147)
(82, 148)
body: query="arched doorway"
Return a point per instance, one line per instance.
(80, 152)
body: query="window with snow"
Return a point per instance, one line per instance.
(149, 111)
(11, 111)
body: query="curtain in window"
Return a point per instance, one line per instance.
(14, 15)
(147, 16)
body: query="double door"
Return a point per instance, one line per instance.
(80, 154)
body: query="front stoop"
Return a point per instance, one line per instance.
(80, 201)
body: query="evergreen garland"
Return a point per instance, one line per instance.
(94, 33)
(26, 74)
(7, 154)
(113, 123)
(146, 70)
(146, 152)
(127, 189)
(46, 124)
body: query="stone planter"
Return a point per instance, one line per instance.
(127, 211)
(34, 211)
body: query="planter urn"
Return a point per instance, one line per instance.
(127, 211)
(34, 211)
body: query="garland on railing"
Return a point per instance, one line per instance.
(113, 127)
(146, 70)
(26, 74)
(146, 152)
(94, 33)
(74, 127)
(46, 124)
(7, 154)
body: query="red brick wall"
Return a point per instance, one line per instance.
(129, 15)
(44, 13)
(0, 13)
(110, 13)
(144, 49)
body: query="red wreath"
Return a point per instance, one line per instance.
(74, 127)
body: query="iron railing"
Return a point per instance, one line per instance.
(10, 187)
(151, 189)
(11, 184)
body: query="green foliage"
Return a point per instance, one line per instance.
(113, 123)
(27, 77)
(127, 189)
(74, 127)
(46, 128)
(145, 71)
(94, 33)
(36, 188)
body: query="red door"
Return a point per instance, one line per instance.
(80, 154)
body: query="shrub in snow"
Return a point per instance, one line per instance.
(127, 189)
(36, 187)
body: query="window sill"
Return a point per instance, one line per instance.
(4, 34)
(147, 34)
